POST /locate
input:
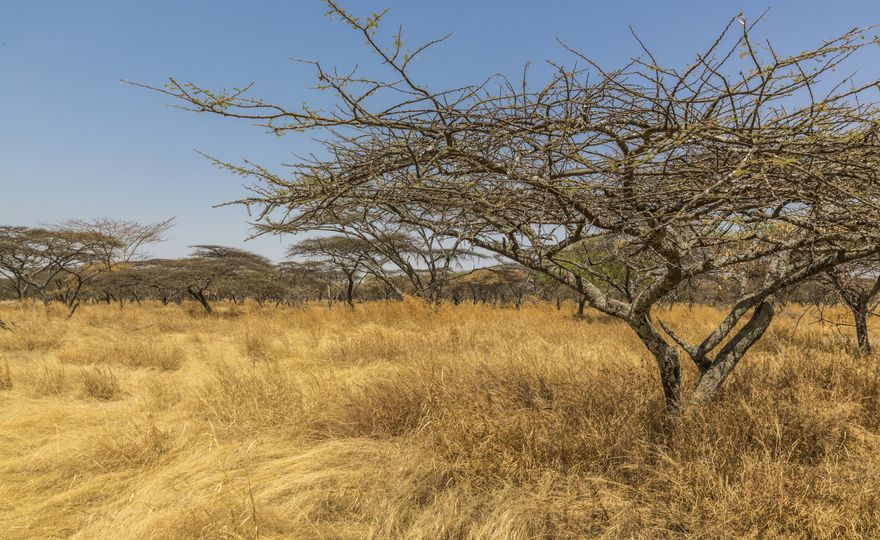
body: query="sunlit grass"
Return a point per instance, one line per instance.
(398, 420)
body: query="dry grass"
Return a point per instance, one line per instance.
(100, 382)
(402, 421)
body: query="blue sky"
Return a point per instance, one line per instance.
(75, 142)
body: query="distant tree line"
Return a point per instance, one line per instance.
(102, 261)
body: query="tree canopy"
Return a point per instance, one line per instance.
(625, 184)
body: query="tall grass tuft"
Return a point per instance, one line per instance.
(100, 382)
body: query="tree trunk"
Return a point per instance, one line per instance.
(667, 360)
(860, 314)
(201, 299)
(582, 302)
(71, 308)
(204, 301)
(349, 291)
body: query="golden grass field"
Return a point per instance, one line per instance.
(398, 420)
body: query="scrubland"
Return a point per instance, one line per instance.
(399, 420)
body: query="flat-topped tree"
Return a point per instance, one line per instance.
(59, 261)
(38, 260)
(308, 280)
(350, 258)
(89, 248)
(428, 259)
(120, 284)
(221, 270)
(21, 262)
(510, 281)
(160, 277)
(209, 271)
(743, 161)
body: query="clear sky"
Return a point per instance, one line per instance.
(75, 142)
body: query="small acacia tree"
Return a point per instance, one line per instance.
(161, 277)
(428, 259)
(857, 286)
(351, 258)
(734, 164)
(510, 281)
(307, 280)
(217, 270)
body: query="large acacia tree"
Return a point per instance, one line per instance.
(743, 163)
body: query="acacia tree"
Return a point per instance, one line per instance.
(481, 285)
(351, 258)
(733, 163)
(32, 258)
(119, 284)
(159, 276)
(857, 285)
(427, 259)
(308, 280)
(18, 258)
(88, 248)
(215, 270)
(510, 281)
(59, 261)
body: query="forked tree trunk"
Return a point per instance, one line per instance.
(714, 375)
(858, 300)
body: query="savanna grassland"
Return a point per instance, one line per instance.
(398, 420)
